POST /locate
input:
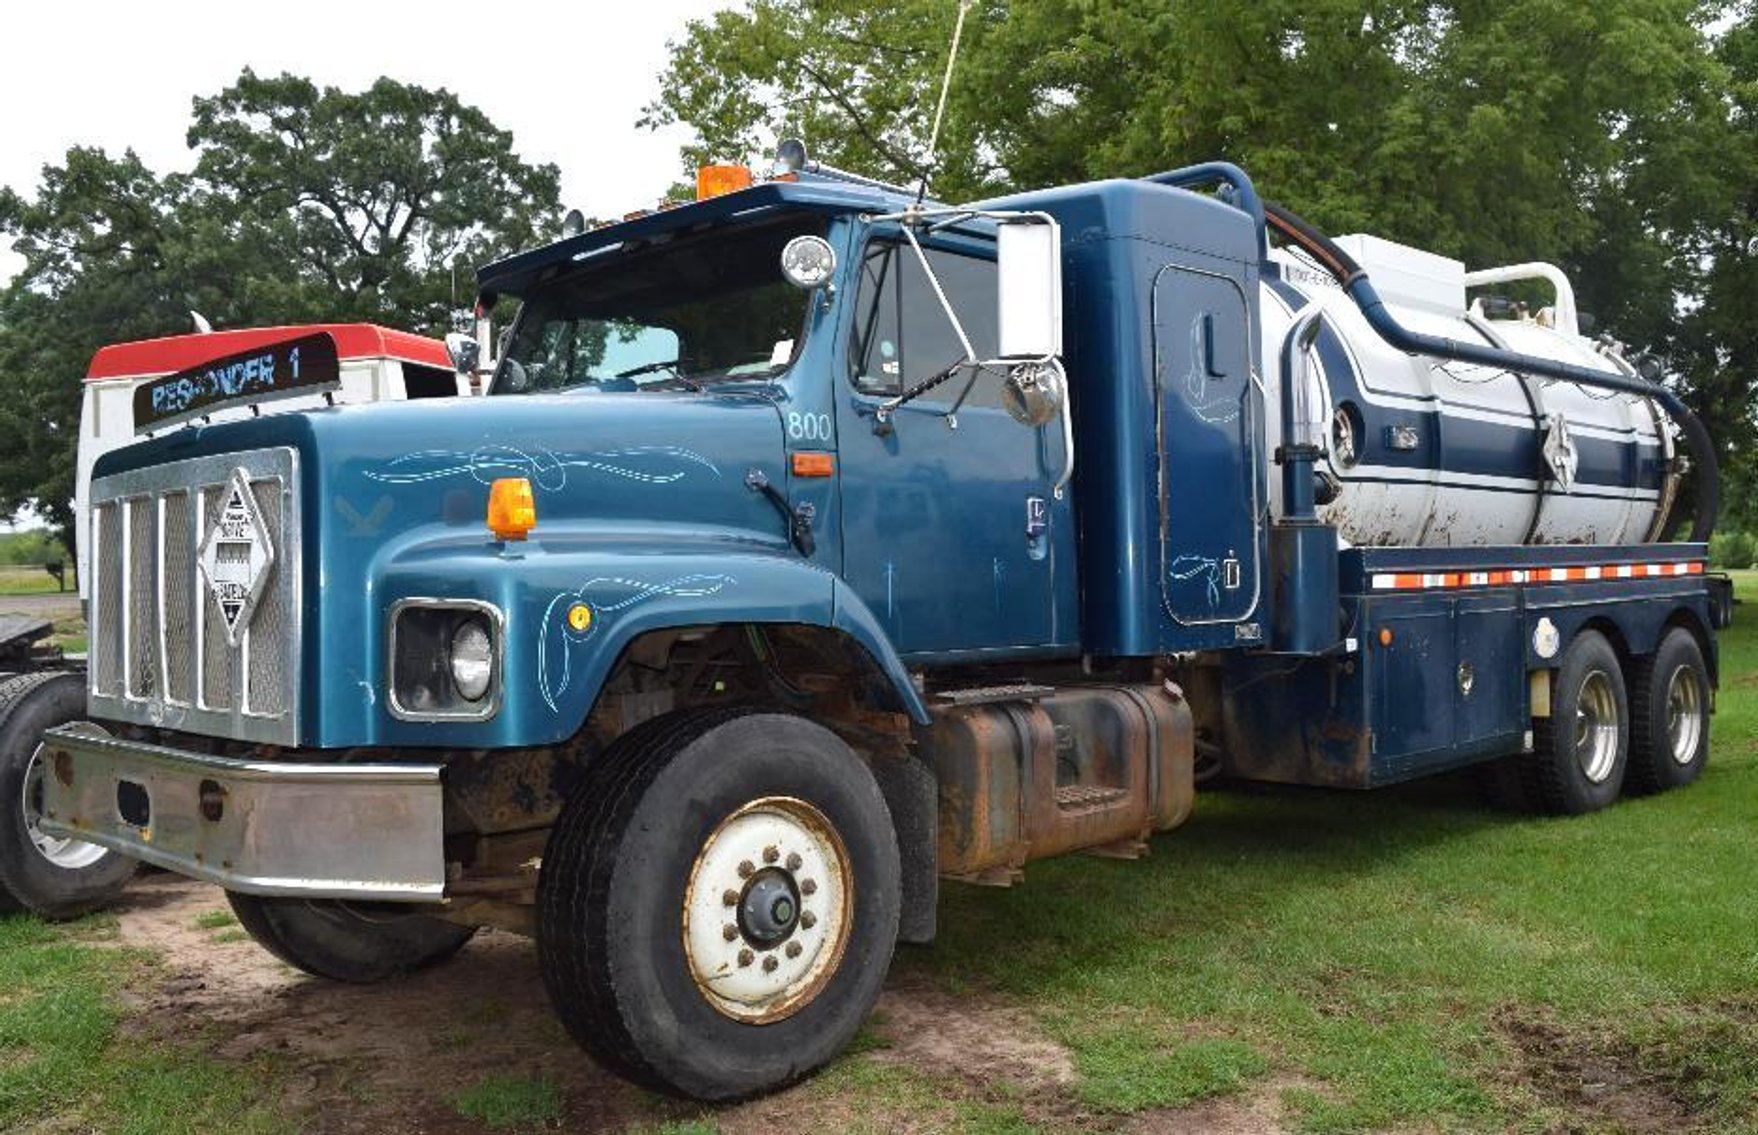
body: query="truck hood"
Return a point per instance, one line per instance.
(390, 472)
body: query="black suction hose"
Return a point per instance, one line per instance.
(1360, 289)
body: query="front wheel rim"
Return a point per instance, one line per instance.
(768, 910)
(1597, 727)
(68, 853)
(1684, 714)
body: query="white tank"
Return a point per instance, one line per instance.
(1430, 452)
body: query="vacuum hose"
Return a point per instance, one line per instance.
(1360, 289)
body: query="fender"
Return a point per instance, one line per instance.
(554, 666)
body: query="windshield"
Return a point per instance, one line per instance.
(676, 314)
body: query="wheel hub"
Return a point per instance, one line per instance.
(769, 909)
(766, 914)
(1684, 715)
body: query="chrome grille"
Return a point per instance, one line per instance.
(106, 653)
(177, 565)
(159, 649)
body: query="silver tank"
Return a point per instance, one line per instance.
(1430, 452)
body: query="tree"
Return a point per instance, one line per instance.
(305, 205)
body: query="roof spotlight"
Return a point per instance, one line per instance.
(790, 157)
(573, 224)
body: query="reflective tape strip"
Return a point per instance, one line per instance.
(1501, 577)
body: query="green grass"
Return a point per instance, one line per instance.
(31, 581)
(63, 1064)
(1398, 948)
(214, 919)
(510, 1101)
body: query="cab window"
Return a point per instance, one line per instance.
(902, 334)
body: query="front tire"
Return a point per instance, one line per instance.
(1580, 751)
(1669, 704)
(50, 876)
(347, 941)
(719, 902)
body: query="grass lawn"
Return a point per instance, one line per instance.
(31, 581)
(1402, 960)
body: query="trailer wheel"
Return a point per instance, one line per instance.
(718, 903)
(1580, 751)
(47, 875)
(348, 941)
(1669, 716)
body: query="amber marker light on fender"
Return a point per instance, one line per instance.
(512, 513)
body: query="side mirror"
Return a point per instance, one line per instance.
(466, 352)
(1028, 255)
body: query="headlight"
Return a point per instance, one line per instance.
(472, 658)
(445, 659)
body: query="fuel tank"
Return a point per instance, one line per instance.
(1423, 451)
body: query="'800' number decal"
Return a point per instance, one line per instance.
(808, 427)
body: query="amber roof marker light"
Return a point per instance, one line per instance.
(512, 511)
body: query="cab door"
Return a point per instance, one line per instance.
(950, 532)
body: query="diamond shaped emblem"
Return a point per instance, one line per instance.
(237, 557)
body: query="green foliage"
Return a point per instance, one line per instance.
(33, 547)
(1733, 550)
(1615, 138)
(306, 204)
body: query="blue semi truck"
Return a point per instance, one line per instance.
(818, 543)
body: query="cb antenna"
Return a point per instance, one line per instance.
(964, 6)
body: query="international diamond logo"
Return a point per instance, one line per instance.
(237, 556)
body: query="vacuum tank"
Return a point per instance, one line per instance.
(1425, 451)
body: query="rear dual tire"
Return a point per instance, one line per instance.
(1580, 752)
(1669, 714)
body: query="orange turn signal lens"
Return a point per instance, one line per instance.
(814, 464)
(512, 513)
(1385, 636)
(712, 181)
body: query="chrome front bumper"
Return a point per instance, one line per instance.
(336, 831)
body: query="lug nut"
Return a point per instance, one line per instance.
(793, 861)
(729, 897)
(730, 932)
(769, 964)
(745, 957)
(808, 919)
(771, 853)
(793, 949)
(808, 887)
(747, 869)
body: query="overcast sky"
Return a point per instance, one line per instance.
(568, 80)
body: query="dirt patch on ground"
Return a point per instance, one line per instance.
(390, 1057)
(1594, 1080)
(968, 1036)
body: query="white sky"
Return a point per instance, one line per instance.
(567, 79)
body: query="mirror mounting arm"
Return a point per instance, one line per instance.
(882, 414)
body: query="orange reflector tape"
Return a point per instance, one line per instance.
(1421, 581)
(712, 181)
(814, 464)
(512, 513)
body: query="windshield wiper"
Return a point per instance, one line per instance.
(663, 364)
(883, 412)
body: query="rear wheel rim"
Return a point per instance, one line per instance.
(768, 910)
(68, 853)
(1684, 714)
(1597, 727)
